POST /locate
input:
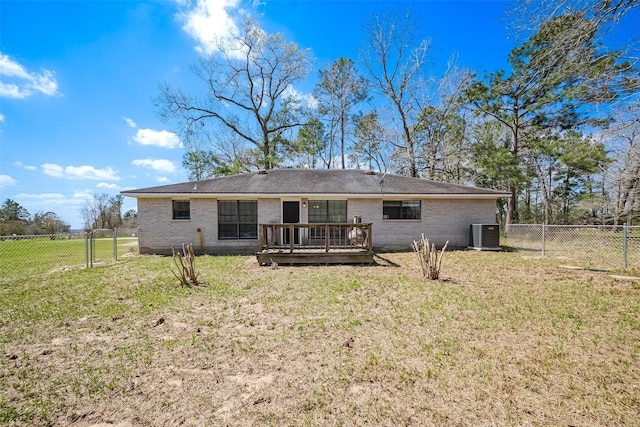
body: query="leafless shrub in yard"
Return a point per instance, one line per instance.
(185, 270)
(430, 259)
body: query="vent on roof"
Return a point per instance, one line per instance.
(261, 172)
(369, 172)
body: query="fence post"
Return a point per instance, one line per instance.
(624, 246)
(115, 244)
(543, 240)
(86, 248)
(91, 248)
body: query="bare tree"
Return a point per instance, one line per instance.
(102, 211)
(208, 154)
(248, 87)
(440, 129)
(394, 57)
(624, 175)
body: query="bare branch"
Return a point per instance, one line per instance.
(245, 91)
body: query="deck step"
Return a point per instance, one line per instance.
(282, 258)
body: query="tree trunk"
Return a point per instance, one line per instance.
(546, 192)
(342, 132)
(266, 151)
(411, 155)
(512, 203)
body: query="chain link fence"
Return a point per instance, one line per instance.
(594, 246)
(22, 256)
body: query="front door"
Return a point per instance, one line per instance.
(291, 215)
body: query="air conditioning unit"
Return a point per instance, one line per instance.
(485, 237)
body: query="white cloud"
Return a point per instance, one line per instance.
(89, 172)
(45, 83)
(163, 179)
(83, 194)
(158, 165)
(52, 169)
(10, 68)
(25, 166)
(108, 186)
(80, 172)
(157, 138)
(67, 207)
(56, 202)
(130, 122)
(12, 91)
(209, 21)
(1, 117)
(24, 83)
(6, 181)
(307, 99)
(40, 196)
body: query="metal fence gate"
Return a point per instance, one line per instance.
(41, 254)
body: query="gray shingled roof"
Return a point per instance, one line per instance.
(306, 182)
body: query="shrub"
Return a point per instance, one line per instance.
(430, 259)
(184, 261)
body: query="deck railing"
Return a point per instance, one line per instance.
(314, 237)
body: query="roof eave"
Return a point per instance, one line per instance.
(319, 195)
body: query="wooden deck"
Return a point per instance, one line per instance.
(314, 244)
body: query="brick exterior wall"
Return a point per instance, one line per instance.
(158, 233)
(441, 220)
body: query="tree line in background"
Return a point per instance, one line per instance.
(102, 211)
(559, 130)
(14, 219)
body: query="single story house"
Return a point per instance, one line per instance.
(224, 215)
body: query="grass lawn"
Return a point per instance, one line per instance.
(38, 255)
(502, 339)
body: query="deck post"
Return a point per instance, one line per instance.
(327, 238)
(291, 238)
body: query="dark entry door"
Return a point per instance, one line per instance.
(291, 215)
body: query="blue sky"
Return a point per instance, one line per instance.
(77, 80)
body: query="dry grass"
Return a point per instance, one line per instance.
(500, 340)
